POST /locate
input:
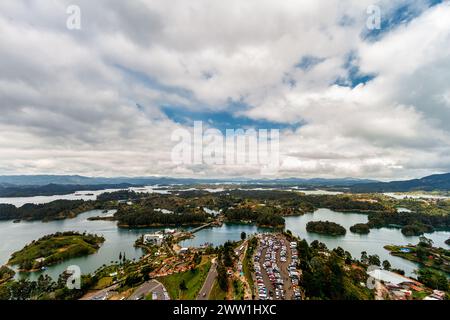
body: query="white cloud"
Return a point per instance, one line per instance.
(69, 98)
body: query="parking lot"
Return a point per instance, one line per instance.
(275, 262)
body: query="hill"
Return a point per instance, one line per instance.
(436, 182)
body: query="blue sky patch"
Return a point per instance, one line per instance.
(354, 76)
(308, 62)
(404, 13)
(221, 120)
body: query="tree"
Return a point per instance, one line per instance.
(374, 260)
(386, 265)
(433, 279)
(183, 286)
(364, 257)
(243, 235)
(425, 242)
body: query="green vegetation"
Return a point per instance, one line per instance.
(425, 254)
(361, 228)
(425, 216)
(55, 248)
(6, 274)
(331, 274)
(56, 210)
(44, 289)
(161, 210)
(186, 285)
(247, 264)
(217, 293)
(238, 290)
(433, 279)
(416, 229)
(325, 227)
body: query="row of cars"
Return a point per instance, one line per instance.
(293, 272)
(271, 246)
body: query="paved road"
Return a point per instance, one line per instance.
(101, 294)
(148, 288)
(209, 282)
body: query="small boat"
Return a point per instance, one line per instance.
(17, 221)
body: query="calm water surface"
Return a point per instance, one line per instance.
(14, 236)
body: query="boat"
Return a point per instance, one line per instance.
(16, 221)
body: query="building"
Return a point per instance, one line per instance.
(154, 239)
(170, 231)
(183, 250)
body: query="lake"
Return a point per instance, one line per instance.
(79, 195)
(14, 236)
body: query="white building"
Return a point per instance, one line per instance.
(153, 238)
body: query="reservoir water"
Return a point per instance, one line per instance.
(14, 236)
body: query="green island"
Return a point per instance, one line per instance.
(361, 228)
(55, 248)
(326, 227)
(424, 253)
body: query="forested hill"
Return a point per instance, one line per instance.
(54, 189)
(434, 182)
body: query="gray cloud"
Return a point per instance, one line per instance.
(68, 99)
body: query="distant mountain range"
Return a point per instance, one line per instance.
(42, 184)
(435, 182)
(40, 180)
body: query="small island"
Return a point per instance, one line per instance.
(361, 228)
(325, 227)
(416, 229)
(55, 248)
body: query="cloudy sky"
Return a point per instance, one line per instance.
(105, 100)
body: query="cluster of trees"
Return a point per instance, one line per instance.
(413, 223)
(225, 258)
(361, 228)
(121, 195)
(59, 209)
(330, 276)
(262, 216)
(433, 279)
(325, 227)
(139, 216)
(346, 203)
(44, 288)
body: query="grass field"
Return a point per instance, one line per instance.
(217, 293)
(193, 280)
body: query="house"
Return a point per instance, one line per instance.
(169, 231)
(183, 250)
(153, 238)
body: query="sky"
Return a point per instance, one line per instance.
(105, 99)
